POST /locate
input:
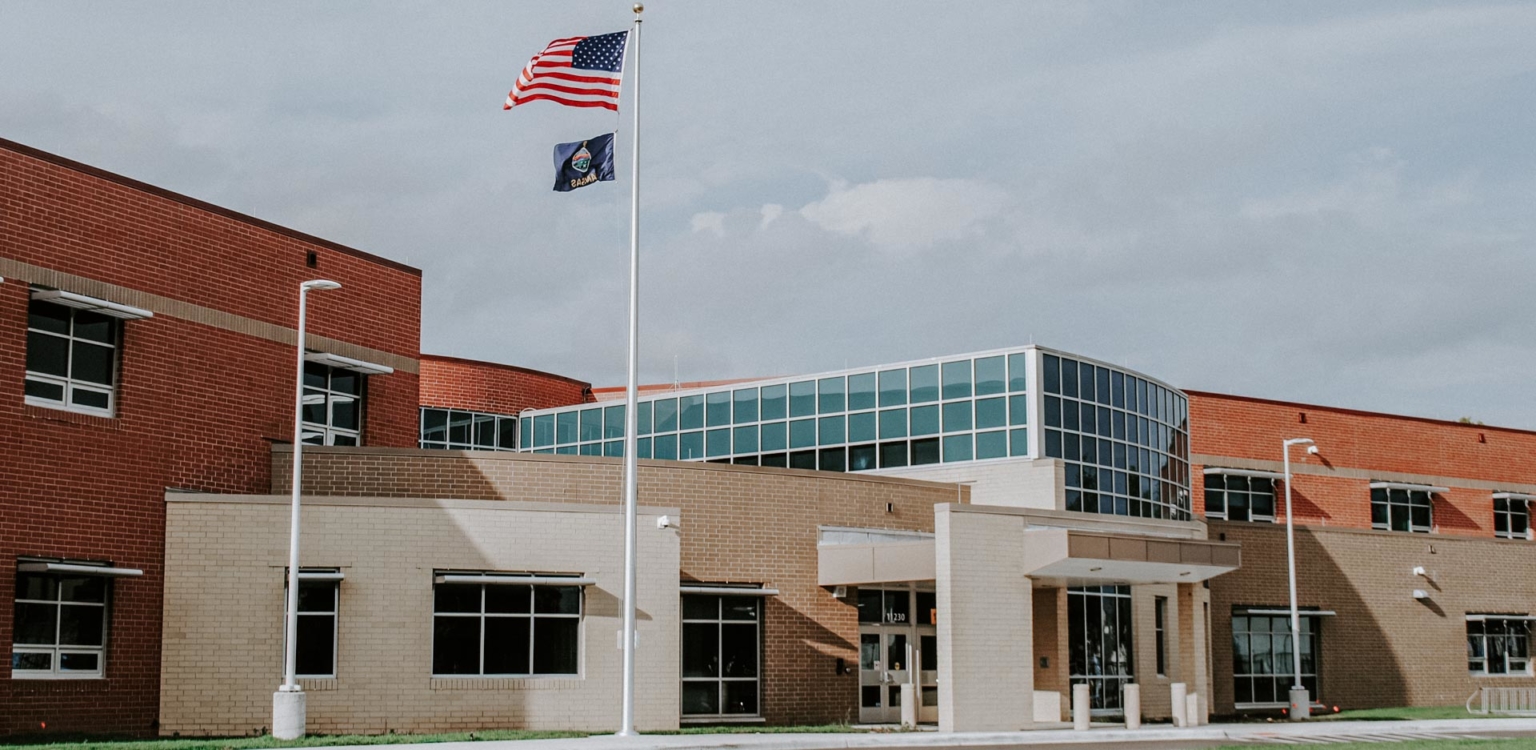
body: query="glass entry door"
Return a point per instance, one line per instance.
(898, 634)
(1099, 641)
(883, 668)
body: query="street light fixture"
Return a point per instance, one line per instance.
(1301, 703)
(288, 709)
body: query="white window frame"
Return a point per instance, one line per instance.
(330, 398)
(1428, 491)
(57, 650)
(1513, 666)
(1274, 478)
(1511, 500)
(535, 581)
(68, 382)
(499, 426)
(330, 576)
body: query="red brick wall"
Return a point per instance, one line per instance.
(1354, 445)
(453, 383)
(197, 403)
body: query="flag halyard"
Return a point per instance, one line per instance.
(579, 71)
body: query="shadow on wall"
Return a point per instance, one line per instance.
(1359, 669)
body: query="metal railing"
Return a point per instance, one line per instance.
(1503, 700)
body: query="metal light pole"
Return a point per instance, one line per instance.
(1301, 703)
(288, 709)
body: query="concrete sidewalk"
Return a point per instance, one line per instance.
(1276, 733)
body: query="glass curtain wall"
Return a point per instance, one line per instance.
(965, 409)
(1124, 439)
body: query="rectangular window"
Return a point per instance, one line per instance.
(60, 626)
(802, 398)
(1396, 509)
(721, 655)
(505, 629)
(1511, 517)
(333, 407)
(456, 430)
(831, 395)
(1160, 622)
(1262, 665)
(71, 358)
(1239, 498)
(1498, 644)
(316, 653)
(861, 391)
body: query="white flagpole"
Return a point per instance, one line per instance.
(632, 395)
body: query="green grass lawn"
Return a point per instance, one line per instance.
(260, 743)
(1523, 743)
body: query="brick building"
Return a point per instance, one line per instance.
(1413, 552)
(147, 342)
(989, 531)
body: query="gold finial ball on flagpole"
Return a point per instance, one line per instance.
(639, 8)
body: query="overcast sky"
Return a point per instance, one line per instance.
(1325, 202)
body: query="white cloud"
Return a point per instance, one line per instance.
(709, 221)
(908, 213)
(771, 211)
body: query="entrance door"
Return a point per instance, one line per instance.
(928, 674)
(1099, 641)
(884, 660)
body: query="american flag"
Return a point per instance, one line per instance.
(571, 72)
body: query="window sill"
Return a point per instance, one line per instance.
(56, 411)
(470, 682)
(25, 675)
(721, 719)
(317, 684)
(1498, 676)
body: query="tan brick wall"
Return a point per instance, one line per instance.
(742, 524)
(1383, 648)
(222, 647)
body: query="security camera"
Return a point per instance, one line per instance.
(1312, 450)
(666, 522)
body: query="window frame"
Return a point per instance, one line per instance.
(1509, 514)
(334, 613)
(1528, 665)
(1311, 622)
(327, 432)
(531, 615)
(498, 439)
(1393, 506)
(69, 382)
(1226, 500)
(57, 649)
(720, 680)
(1160, 630)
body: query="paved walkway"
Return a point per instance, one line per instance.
(1306, 733)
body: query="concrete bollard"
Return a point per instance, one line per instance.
(288, 714)
(1180, 711)
(1131, 700)
(1080, 709)
(908, 706)
(1301, 704)
(1192, 706)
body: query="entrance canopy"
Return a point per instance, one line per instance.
(1066, 557)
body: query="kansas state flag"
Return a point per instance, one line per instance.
(582, 163)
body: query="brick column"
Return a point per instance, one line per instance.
(986, 653)
(1192, 638)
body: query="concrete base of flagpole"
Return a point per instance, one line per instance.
(1301, 704)
(288, 714)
